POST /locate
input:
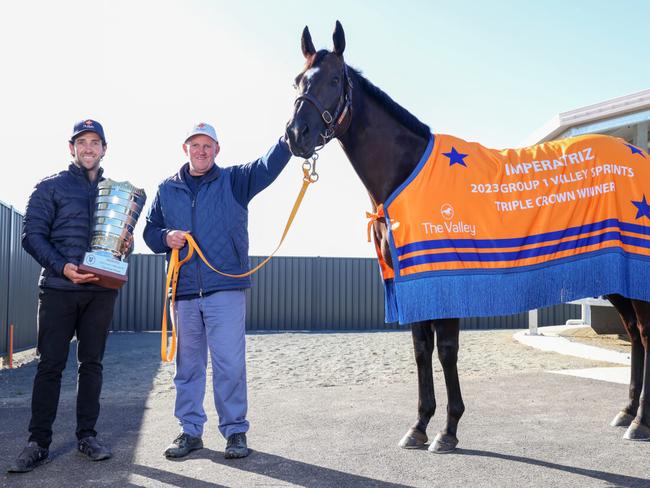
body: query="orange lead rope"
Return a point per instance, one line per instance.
(174, 267)
(172, 280)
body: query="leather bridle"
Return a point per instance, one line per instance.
(339, 122)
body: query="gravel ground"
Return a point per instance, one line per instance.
(295, 360)
(328, 410)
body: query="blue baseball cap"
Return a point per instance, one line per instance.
(204, 129)
(88, 125)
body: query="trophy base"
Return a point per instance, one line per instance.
(107, 279)
(110, 271)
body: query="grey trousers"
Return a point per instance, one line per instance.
(215, 323)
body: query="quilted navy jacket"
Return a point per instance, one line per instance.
(58, 224)
(216, 216)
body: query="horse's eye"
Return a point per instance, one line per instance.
(335, 81)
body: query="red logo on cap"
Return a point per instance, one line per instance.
(201, 125)
(88, 123)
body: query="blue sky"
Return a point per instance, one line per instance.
(492, 72)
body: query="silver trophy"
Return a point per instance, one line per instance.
(117, 208)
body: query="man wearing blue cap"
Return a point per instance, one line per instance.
(56, 232)
(210, 202)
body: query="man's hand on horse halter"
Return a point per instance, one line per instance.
(176, 239)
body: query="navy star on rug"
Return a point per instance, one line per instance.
(455, 157)
(643, 209)
(635, 150)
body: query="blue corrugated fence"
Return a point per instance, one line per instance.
(290, 293)
(18, 284)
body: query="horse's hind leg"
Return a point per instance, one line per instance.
(639, 429)
(447, 334)
(423, 343)
(629, 318)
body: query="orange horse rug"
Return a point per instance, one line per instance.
(483, 232)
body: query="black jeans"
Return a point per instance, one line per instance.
(61, 315)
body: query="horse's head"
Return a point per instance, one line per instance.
(324, 96)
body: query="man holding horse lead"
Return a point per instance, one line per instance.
(211, 203)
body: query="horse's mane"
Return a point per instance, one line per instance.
(402, 115)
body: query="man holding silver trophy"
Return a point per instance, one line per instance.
(211, 203)
(72, 218)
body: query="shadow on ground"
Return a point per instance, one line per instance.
(131, 365)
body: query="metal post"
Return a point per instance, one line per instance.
(532, 322)
(8, 291)
(11, 346)
(641, 136)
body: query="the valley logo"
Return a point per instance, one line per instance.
(447, 211)
(449, 226)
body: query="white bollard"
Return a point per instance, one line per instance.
(585, 311)
(532, 322)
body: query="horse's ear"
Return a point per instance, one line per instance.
(306, 44)
(339, 39)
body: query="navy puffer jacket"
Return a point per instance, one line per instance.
(217, 217)
(58, 223)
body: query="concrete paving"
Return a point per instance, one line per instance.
(548, 339)
(620, 375)
(529, 429)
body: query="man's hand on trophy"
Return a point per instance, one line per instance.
(70, 272)
(176, 239)
(127, 246)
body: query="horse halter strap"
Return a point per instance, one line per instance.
(337, 124)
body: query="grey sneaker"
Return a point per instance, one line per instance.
(93, 449)
(236, 446)
(183, 445)
(33, 455)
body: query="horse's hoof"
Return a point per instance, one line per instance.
(443, 443)
(637, 432)
(622, 419)
(413, 439)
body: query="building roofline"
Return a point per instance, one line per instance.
(615, 107)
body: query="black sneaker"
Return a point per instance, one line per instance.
(183, 445)
(93, 449)
(33, 455)
(236, 446)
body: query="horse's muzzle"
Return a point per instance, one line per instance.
(299, 140)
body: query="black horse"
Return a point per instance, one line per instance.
(384, 143)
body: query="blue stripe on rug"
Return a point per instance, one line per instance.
(449, 257)
(521, 241)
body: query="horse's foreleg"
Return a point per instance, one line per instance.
(639, 429)
(629, 319)
(423, 344)
(447, 334)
